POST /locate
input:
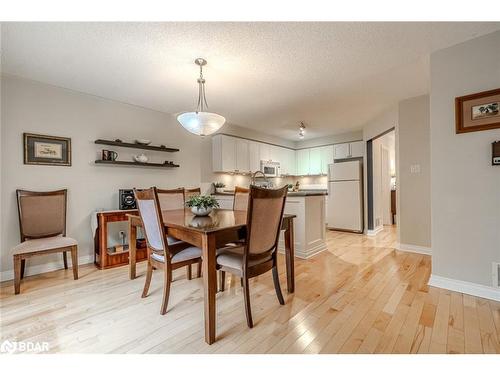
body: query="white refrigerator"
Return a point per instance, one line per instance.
(345, 196)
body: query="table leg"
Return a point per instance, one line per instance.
(209, 285)
(290, 257)
(132, 248)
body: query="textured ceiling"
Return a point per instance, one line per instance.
(265, 76)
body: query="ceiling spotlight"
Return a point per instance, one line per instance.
(302, 130)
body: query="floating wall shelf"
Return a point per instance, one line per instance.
(135, 145)
(136, 164)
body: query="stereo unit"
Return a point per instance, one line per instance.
(496, 153)
(127, 199)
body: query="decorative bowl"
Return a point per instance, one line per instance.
(144, 142)
(140, 158)
(201, 211)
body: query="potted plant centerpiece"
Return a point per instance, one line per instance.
(202, 205)
(219, 187)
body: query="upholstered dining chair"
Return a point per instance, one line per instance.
(258, 254)
(42, 224)
(174, 199)
(240, 201)
(160, 254)
(188, 193)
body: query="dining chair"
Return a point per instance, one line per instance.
(258, 254)
(160, 253)
(240, 201)
(188, 193)
(174, 199)
(42, 226)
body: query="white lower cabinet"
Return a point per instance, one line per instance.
(225, 201)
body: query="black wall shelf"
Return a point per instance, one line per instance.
(136, 164)
(135, 145)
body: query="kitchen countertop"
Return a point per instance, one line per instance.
(300, 193)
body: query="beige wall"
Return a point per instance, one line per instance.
(465, 187)
(414, 211)
(38, 108)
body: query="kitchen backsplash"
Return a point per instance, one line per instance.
(306, 182)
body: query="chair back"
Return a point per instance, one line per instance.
(172, 199)
(188, 193)
(240, 202)
(264, 216)
(41, 214)
(149, 210)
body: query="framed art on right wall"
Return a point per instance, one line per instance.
(478, 111)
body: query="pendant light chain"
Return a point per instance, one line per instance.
(202, 100)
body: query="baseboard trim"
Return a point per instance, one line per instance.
(466, 287)
(304, 255)
(414, 248)
(46, 267)
(374, 232)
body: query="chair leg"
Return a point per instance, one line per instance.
(74, 261)
(189, 274)
(167, 275)
(23, 267)
(147, 283)
(246, 296)
(65, 260)
(222, 280)
(17, 274)
(277, 287)
(198, 269)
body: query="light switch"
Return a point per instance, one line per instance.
(415, 168)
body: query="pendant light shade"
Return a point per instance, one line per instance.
(201, 122)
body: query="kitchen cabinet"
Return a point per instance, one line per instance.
(225, 201)
(315, 161)
(326, 158)
(254, 156)
(223, 153)
(357, 149)
(348, 150)
(303, 162)
(264, 151)
(242, 156)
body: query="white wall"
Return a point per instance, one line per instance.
(38, 108)
(465, 187)
(414, 189)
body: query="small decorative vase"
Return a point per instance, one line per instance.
(201, 211)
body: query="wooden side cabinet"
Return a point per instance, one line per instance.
(104, 257)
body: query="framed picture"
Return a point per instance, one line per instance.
(478, 111)
(46, 150)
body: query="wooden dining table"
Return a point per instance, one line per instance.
(209, 233)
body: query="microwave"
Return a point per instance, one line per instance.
(270, 168)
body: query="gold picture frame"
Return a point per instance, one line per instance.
(42, 149)
(479, 111)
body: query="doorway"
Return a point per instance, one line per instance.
(381, 184)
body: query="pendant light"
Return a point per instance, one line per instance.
(201, 122)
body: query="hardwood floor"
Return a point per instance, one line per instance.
(360, 296)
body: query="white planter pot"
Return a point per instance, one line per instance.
(219, 190)
(200, 211)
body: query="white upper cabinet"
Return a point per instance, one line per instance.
(242, 156)
(341, 151)
(348, 150)
(223, 153)
(303, 162)
(326, 158)
(315, 161)
(357, 149)
(264, 151)
(254, 156)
